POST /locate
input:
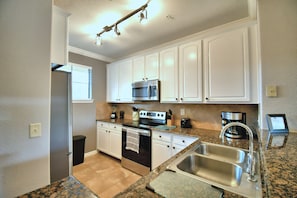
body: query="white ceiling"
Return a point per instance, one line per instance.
(167, 20)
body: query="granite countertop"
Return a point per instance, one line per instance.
(68, 187)
(278, 166)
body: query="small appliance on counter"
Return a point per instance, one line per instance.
(234, 132)
(113, 115)
(135, 114)
(185, 123)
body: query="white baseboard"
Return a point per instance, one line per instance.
(91, 153)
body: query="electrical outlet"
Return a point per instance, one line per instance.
(182, 111)
(35, 130)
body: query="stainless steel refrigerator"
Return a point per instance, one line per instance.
(60, 126)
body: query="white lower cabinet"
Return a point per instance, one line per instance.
(109, 139)
(165, 145)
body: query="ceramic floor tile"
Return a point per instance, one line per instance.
(104, 175)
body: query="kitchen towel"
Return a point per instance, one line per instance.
(132, 140)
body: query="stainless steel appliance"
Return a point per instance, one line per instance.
(136, 141)
(60, 126)
(236, 132)
(146, 90)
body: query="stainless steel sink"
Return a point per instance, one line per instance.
(221, 166)
(224, 173)
(229, 154)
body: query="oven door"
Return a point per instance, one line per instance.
(143, 156)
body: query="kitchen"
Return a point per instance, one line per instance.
(18, 164)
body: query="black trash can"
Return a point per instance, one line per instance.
(78, 149)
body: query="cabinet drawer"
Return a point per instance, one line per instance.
(183, 140)
(102, 124)
(161, 136)
(115, 127)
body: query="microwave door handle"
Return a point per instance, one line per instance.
(149, 91)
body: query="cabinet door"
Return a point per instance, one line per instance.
(227, 67)
(125, 81)
(138, 69)
(59, 41)
(112, 83)
(161, 151)
(169, 75)
(152, 66)
(115, 144)
(190, 72)
(104, 139)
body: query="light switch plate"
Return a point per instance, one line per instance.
(35, 130)
(271, 91)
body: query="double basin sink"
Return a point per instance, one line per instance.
(220, 166)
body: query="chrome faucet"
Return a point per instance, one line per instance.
(251, 162)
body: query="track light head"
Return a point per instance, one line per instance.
(116, 30)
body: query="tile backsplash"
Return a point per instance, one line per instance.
(207, 116)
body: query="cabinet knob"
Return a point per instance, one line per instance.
(206, 98)
(173, 147)
(176, 99)
(160, 136)
(168, 146)
(183, 141)
(181, 99)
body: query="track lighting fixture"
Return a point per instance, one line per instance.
(116, 30)
(143, 15)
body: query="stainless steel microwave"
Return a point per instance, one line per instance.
(146, 90)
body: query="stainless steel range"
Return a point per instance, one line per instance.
(136, 141)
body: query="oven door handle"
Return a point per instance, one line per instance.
(139, 131)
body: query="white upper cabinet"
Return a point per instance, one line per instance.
(169, 74)
(59, 38)
(181, 74)
(226, 61)
(125, 81)
(146, 67)
(119, 80)
(190, 72)
(152, 66)
(112, 83)
(219, 66)
(138, 69)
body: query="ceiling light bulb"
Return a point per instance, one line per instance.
(98, 40)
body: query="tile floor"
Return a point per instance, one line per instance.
(104, 175)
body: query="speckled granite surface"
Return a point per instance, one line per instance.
(278, 166)
(69, 187)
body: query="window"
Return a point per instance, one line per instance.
(81, 82)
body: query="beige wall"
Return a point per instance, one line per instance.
(24, 95)
(206, 116)
(84, 114)
(278, 27)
